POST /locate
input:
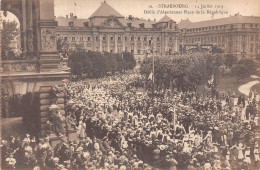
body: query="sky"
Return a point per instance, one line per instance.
(84, 8)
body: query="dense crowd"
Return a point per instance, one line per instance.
(121, 127)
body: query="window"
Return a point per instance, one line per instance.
(145, 38)
(231, 26)
(88, 38)
(132, 38)
(111, 38)
(119, 39)
(170, 38)
(104, 38)
(111, 51)
(125, 38)
(96, 38)
(243, 37)
(139, 38)
(65, 38)
(73, 38)
(158, 38)
(243, 25)
(256, 37)
(132, 51)
(81, 38)
(139, 51)
(125, 49)
(252, 38)
(251, 48)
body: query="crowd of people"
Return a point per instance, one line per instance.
(121, 126)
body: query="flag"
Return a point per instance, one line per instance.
(150, 76)
(75, 3)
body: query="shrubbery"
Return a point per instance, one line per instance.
(96, 64)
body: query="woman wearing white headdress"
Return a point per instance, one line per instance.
(247, 156)
(256, 152)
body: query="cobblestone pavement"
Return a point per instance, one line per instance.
(12, 126)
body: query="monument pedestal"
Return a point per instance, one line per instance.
(54, 140)
(72, 135)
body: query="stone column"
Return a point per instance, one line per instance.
(108, 43)
(123, 40)
(115, 43)
(100, 42)
(175, 44)
(49, 58)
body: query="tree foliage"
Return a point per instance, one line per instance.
(9, 32)
(230, 60)
(96, 64)
(244, 68)
(186, 71)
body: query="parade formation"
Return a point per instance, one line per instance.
(120, 125)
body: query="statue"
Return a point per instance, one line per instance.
(54, 94)
(57, 123)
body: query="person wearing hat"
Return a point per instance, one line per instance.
(256, 153)
(247, 156)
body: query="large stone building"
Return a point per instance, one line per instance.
(237, 35)
(107, 30)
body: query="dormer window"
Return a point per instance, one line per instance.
(141, 25)
(86, 24)
(71, 24)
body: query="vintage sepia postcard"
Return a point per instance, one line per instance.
(130, 84)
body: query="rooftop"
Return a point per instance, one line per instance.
(106, 10)
(236, 19)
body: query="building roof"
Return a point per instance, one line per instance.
(236, 19)
(106, 10)
(64, 22)
(165, 19)
(136, 22)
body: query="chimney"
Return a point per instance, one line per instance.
(154, 20)
(71, 15)
(67, 16)
(75, 17)
(129, 24)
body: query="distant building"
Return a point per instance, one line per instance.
(107, 30)
(237, 35)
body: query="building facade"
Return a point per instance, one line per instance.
(237, 35)
(107, 30)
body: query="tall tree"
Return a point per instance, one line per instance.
(9, 32)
